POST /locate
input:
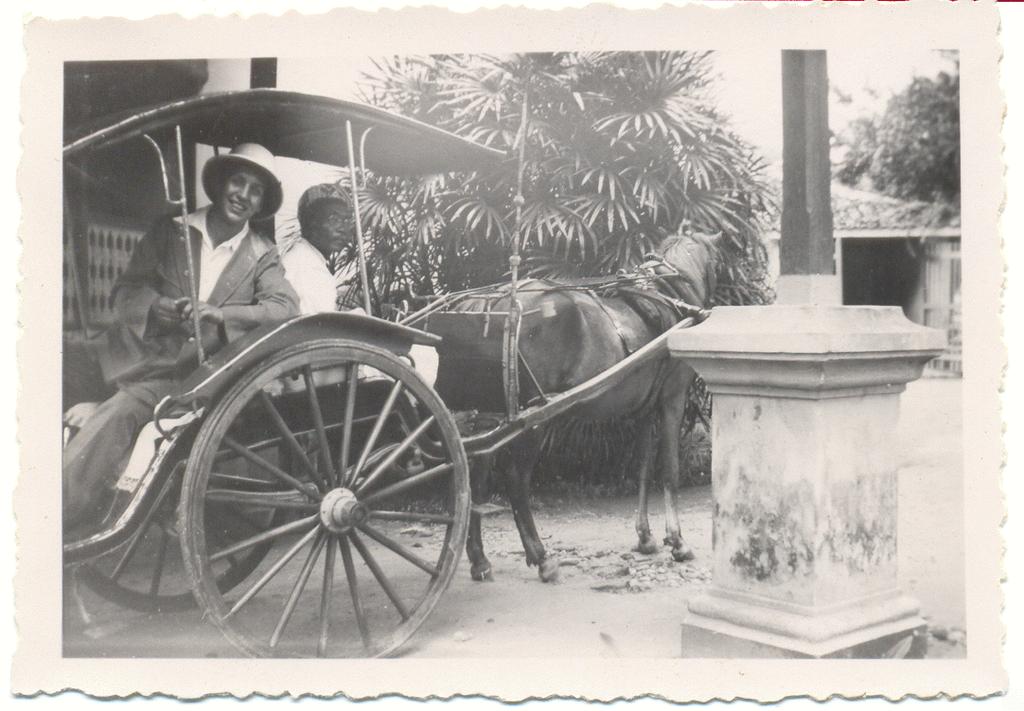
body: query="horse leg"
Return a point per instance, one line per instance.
(480, 474)
(522, 458)
(673, 406)
(646, 543)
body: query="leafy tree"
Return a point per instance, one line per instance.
(622, 150)
(912, 149)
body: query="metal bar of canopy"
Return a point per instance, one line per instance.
(510, 346)
(182, 203)
(81, 294)
(362, 153)
(360, 246)
(193, 287)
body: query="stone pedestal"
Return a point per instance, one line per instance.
(806, 404)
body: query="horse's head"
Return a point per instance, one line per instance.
(695, 257)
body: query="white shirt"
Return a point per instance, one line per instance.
(306, 270)
(212, 259)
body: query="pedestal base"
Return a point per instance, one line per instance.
(725, 627)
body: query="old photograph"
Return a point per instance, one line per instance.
(586, 353)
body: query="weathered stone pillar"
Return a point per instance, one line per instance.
(806, 403)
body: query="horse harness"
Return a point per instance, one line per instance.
(647, 291)
(663, 310)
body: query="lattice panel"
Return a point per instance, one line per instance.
(70, 298)
(108, 252)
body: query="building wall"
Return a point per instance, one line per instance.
(920, 274)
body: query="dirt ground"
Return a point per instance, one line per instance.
(610, 601)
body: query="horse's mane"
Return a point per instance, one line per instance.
(695, 256)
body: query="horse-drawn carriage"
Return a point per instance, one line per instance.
(317, 485)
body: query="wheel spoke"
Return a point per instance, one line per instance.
(399, 549)
(405, 484)
(140, 533)
(353, 588)
(412, 517)
(350, 410)
(395, 454)
(300, 584)
(318, 422)
(371, 441)
(261, 499)
(158, 567)
(289, 437)
(325, 601)
(378, 573)
(274, 570)
(225, 479)
(377, 456)
(276, 441)
(263, 464)
(268, 535)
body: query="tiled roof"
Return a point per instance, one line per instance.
(854, 209)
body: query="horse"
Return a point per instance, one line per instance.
(569, 334)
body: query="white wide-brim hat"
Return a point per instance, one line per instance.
(245, 155)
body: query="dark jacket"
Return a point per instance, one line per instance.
(251, 291)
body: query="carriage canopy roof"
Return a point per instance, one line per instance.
(294, 125)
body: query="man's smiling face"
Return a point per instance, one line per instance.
(242, 196)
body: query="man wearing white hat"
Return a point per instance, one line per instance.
(150, 347)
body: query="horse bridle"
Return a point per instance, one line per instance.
(660, 271)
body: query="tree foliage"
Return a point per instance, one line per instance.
(912, 149)
(623, 149)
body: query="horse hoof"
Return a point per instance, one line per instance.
(482, 574)
(681, 555)
(548, 571)
(648, 547)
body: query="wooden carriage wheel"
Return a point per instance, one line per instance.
(374, 529)
(145, 573)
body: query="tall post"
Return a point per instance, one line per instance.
(807, 248)
(263, 73)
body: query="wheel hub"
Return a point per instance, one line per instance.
(340, 510)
